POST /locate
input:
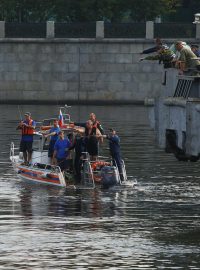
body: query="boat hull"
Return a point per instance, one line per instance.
(40, 176)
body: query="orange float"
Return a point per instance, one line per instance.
(99, 164)
(66, 126)
(96, 166)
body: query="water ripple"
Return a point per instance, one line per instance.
(154, 225)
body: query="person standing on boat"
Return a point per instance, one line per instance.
(53, 134)
(79, 147)
(96, 123)
(92, 138)
(61, 151)
(115, 152)
(71, 137)
(96, 129)
(27, 127)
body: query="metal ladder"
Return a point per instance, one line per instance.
(183, 87)
(87, 173)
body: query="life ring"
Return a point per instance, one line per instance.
(99, 164)
(45, 127)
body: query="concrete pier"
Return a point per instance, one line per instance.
(175, 115)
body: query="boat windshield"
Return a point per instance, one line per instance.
(39, 142)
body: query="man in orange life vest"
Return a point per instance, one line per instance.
(27, 127)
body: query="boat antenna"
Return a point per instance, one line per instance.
(67, 114)
(20, 113)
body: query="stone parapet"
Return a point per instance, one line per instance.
(77, 71)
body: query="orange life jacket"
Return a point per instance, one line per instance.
(28, 130)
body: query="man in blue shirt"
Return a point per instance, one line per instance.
(61, 151)
(114, 146)
(195, 49)
(27, 128)
(53, 134)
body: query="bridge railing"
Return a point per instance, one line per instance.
(99, 30)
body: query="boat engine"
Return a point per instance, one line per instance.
(110, 176)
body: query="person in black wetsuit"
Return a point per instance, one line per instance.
(79, 147)
(92, 137)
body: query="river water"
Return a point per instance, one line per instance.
(154, 225)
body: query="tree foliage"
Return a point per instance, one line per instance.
(185, 11)
(143, 10)
(86, 10)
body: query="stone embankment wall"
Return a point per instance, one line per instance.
(76, 71)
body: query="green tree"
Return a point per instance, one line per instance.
(144, 10)
(185, 11)
(84, 10)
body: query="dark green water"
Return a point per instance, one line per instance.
(152, 226)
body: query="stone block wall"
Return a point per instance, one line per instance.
(76, 71)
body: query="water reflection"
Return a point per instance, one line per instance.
(51, 201)
(152, 226)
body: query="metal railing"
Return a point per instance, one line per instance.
(99, 29)
(174, 30)
(125, 30)
(75, 30)
(25, 30)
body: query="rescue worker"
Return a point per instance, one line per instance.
(79, 147)
(71, 138)
(53, 134)
(61, 151)
(114, 146)
(27, 127)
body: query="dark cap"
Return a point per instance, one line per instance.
(27, 114)
(194, 46)
(111, 129)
